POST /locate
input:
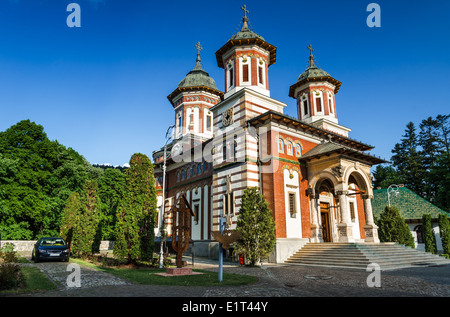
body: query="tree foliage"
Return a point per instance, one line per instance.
(444, 226)
(393, 228)
(428, 234)
(256, 227)
(421, 161)
(136, 212)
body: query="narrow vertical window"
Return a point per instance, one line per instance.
(352, 211)
(330, 103)
(292, 205)
(230, 76)
(224, 150)
(235, 144)
(196, 212)
(305, 107)
(245, 73)
(261, 79)
(208, 122)
(319, 104)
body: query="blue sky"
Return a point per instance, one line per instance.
(102, 88)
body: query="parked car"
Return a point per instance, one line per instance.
(50, 249)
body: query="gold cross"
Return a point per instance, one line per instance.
(245, 10)
(310, 49)
(198, 47)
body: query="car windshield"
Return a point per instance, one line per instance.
(52, 242)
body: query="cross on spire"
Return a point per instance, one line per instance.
(310, 49)
(244, 8)
(199, 47)
(311, 56)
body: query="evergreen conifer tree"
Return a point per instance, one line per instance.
(256, 226)
(393, 228)
(428, 235)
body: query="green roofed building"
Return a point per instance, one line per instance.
(412, 207)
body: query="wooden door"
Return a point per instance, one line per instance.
(325, 216)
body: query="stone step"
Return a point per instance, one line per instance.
(358, 255)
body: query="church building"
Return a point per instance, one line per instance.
(316, 178)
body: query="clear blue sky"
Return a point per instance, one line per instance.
(102, 88)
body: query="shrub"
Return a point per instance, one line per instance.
(428, 234)
(444, 226)
(393, 228)
(256, 226)
(10, 273)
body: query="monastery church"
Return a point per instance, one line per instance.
(315, 178)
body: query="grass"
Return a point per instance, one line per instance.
(35, 280)
(148, 276)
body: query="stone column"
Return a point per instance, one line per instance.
(344, 227)
(370, 229)
(316, 230)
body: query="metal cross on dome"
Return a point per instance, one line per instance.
(245, 10)
(310, 49)
(199, 47)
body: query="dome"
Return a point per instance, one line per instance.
(313, 72)
(198, 77)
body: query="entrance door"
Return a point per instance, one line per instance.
(325, 216)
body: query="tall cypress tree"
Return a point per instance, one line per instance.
(138, 206)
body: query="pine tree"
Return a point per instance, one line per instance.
(256, 226)
(408, 162)
(393, 228)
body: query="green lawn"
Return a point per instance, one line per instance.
(35, 280)
(148, 276)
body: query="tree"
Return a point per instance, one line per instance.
(384, 176)
(408, 162)
(138, 206)
(440, 176)
(111, 188)
(444, 229)
(393, 228)
(428, 234)
(256, 227)
(81, 219)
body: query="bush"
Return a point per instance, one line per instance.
(393, 228)
(428, 235)
(444, 225)
(10, 273)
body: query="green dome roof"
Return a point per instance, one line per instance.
(312, 71)
(198, 77)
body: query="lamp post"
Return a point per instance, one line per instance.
(392, 189)
(161, 251)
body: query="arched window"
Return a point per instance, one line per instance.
(178, 176)
(419, 233)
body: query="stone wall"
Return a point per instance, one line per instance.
(27, 246)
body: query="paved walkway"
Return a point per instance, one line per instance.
(273, 281)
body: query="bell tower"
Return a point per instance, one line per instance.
(246, 59)
(315, 92)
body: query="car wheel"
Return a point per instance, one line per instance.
(36, 260)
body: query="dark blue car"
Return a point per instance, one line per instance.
(50, 249)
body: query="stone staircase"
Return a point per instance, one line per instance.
(388, 256)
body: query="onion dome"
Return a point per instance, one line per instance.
(314, 74)
(246, 36)
(196, 80)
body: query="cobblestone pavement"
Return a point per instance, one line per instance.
(273, 281)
